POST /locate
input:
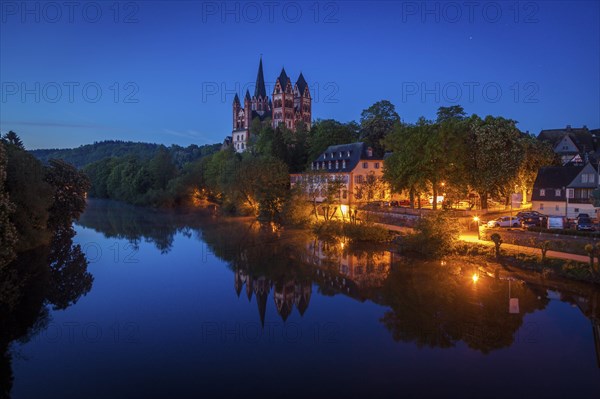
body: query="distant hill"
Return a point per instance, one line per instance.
(86, 154)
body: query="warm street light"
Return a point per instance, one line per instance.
(476, 219)
(475, 277)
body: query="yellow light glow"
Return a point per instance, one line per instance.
(475, 277)
(344, 209)
(342, 244)
(476, 218)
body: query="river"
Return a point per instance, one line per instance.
(144, 303)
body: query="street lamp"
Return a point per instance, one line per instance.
(476, 219)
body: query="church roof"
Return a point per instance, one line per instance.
(259, 90)
(236, 99)
(247, 96)
(301, 83)
(283, 78)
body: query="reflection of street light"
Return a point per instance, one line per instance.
(476, 219)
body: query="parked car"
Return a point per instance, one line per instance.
(585, 224)
(583, 215)
(534, 221)
(504, 221)
(526, 214)
(394, 203)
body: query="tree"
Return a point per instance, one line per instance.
(494, 155)
(8, 233)
(327, 132)
(31, 195)
(371, 188)
(70, 190)
(376, 123)
(14, 139)
(435, 235)
(537, 154)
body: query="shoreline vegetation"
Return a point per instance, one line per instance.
(256, 182)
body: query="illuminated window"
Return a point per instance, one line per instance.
(365, 165)
(557, 192)
(542, 192)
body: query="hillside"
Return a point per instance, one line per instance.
(89, 153)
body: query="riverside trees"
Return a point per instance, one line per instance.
(489, 156)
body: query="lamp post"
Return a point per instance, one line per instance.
(476, 219)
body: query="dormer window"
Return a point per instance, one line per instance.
(337, 164)
(348, 153)
(329, 167)
(344, 164)
(542, 192)
(340, 154)
(369, 152)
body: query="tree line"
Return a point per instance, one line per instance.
(36, 200)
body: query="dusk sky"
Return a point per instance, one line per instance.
(167, 72)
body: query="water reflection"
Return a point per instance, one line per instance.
(55, 276)
(430, 304)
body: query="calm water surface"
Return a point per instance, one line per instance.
(157, 304)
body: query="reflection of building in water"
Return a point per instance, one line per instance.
(590, 307)
(365, 269)
(286, 293)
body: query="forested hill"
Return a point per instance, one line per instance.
(89, 153)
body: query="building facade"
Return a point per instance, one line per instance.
(352, 166)
(291, 103)
(565, 190)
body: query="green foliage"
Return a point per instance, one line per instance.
(43, 199)
(435, 235)
(327, 132)
(8, 233)
(376, 122)
(84, 155)
(31, 195)
(70, 191)
(13, 139)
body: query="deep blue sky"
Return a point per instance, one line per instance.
(182, 61)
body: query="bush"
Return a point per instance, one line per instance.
(435, 235)
(333, 229)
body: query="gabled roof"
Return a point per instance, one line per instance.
(551, 178)
(236, 99)
(301, 84)
(352, 153)
(581, 137)
(259, 90)
(556, 176)
(247, 96)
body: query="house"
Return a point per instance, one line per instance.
(565, 190)
(571, 144)
(351, 164)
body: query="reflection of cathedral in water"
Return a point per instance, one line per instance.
(286, 293)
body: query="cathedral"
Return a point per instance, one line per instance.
(290, 104)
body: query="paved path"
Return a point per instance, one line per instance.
(510, 247)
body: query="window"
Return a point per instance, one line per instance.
(344, 194)
(358, 179)
(556, 208)
(576, 210)
(542, 192)
(340, 154)
(584, 178)
(337, 164)
(376, 165)
(344, 164)
(557, 192)
(541, 207)
(329, 165)
(348, 153)
(365, 165)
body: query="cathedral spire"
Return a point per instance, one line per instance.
(260, 90)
